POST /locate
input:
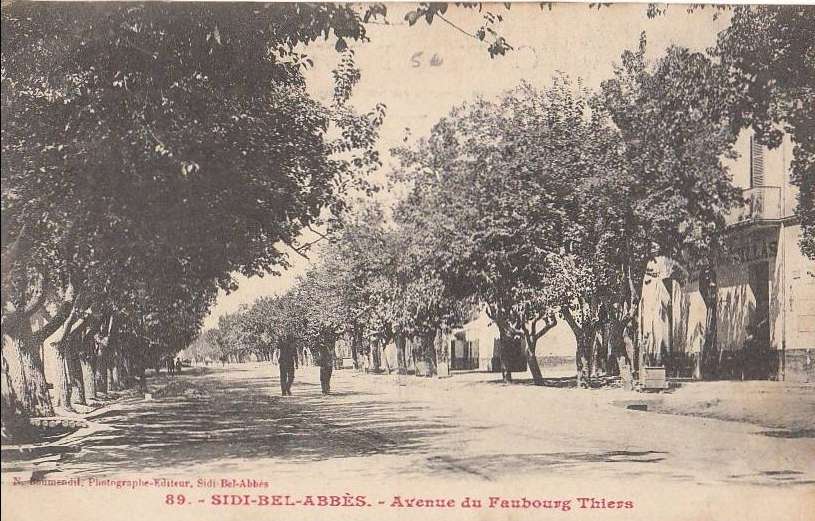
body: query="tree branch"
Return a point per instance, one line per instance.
(54, 323)
(297, 250)
(567, 315)
(28, 312)
(456, 27)
(317, 232)
(551, 321)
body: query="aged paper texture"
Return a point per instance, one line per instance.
(312, 261)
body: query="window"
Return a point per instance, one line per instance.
(756, 163)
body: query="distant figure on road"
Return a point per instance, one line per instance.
(326, 367)
(287, 359)
(170, 366)
(178, 366)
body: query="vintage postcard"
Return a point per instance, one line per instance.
(390, 261)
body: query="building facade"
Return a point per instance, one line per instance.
(475, 346)
(765, 287)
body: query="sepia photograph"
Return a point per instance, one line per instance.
(308, 261)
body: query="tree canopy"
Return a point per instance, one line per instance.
(151, 151)
(769, 52)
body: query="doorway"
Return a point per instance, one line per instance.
(756, 359)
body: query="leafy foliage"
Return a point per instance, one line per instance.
(769, 52)
(152, 151)
(491, 193)
(676, 122)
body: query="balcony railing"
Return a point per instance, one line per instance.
(762, 203)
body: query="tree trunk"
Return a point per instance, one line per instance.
(442, 352)
(26, 372)
(112, 357)
(355, 345)
(11, 254)
(631, 349)
(376, 357)
(13, 424)
(114, 380)
(532, 360)
(582, 356)
(62, 387)
(414, 346)
(583, 327)
(76, 379)
(142, 380)
(504, 347)
(401, 360)
(622, 352)
(439, 344)
(707, 363)
(100, 372)
(425, 354)
(430, 353)
(601, 351)
(127, 371)
(87, 364)
(355, 353)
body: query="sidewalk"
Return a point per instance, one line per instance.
(70, 428)
(786, 408)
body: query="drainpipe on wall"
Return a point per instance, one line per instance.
(783, 242)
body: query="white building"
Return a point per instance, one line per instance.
(765, 325)
(475, 346)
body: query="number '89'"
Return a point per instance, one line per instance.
(174, 499)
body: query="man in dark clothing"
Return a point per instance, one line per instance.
(286, 361)
(326, 368)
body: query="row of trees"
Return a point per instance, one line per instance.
(544, 205)
(361, 291)
(149, 152)
(557, 199)
(549, 204)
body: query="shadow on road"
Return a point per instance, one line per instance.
(561, 382)
(237, 419)
(500, 465)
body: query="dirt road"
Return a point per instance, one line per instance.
(380, 437)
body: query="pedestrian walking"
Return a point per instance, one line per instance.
(286, 361)
(178, 366)
(326, 367)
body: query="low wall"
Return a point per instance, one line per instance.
(799, 365)
(546, 363)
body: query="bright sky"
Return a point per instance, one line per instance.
(396, 70)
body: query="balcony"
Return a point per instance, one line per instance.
(762, 203)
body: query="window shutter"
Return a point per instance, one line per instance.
(756, 163)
